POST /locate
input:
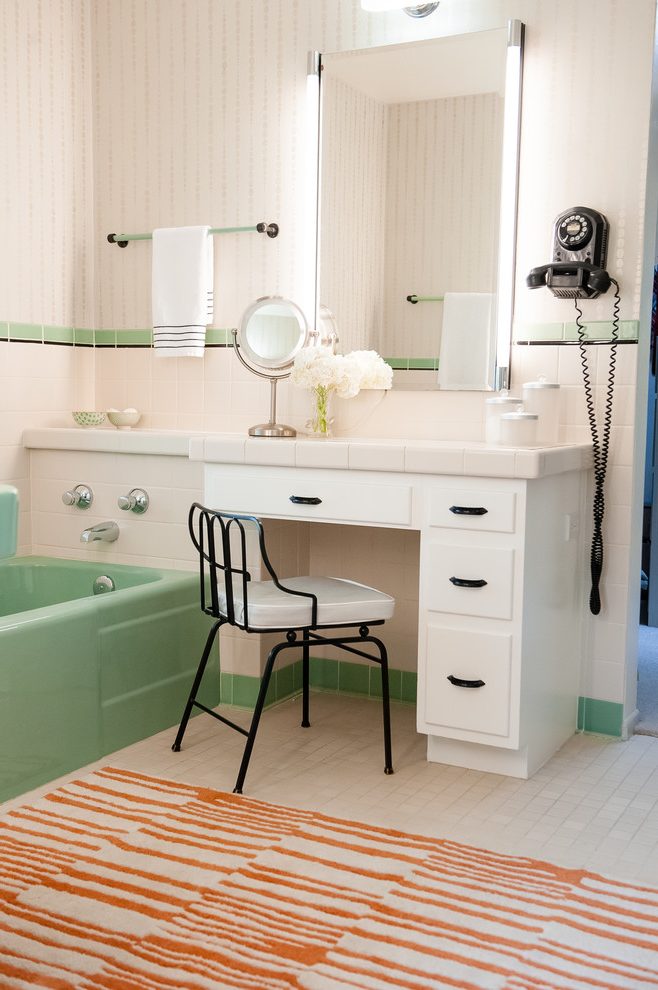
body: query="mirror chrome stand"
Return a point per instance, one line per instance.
(271, 429)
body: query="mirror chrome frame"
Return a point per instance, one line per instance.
(266, 366)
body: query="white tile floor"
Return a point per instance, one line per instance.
(594, 805)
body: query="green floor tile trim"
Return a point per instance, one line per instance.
(336, 676)
(603, 717)
(409, 688)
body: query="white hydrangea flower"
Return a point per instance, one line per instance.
(319, 367)
(373, 370)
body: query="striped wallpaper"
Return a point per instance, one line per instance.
(409, 205)
(442, 213)
(46, 178)
(353, 212)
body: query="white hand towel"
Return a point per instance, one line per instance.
(467, 348)
(182, 288)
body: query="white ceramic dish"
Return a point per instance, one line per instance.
(124, 419)
(87, 417)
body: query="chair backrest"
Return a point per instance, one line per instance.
(221, 539)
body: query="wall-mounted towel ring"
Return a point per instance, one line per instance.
(271, 229)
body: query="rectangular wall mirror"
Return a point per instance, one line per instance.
(418, 171)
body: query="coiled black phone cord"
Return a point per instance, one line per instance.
(600, 445)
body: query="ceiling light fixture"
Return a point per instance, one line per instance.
(416, 10)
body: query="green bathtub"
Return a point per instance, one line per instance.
(82, 675)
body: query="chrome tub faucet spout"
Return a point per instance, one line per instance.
(107, 532)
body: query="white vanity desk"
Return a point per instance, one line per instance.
(520, 632)
(501, 596)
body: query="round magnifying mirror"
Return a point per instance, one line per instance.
(272, 331)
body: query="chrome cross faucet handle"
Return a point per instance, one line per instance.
(80, 496)
(136, 500)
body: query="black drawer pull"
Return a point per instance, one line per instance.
(460, 682)
(469, 510)
(467, 582)
(304, 500)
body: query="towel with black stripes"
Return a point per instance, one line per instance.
(182, 290)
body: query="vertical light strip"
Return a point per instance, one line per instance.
(314, 140)
(508, 198)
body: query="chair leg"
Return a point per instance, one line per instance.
(386, 706)
(305, 682)
(196, 685)
(253, 728)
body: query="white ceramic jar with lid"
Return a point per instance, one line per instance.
(543, 398)
(493, 410)
(518, 429)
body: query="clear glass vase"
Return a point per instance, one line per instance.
(320, 423)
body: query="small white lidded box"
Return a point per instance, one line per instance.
(543, 397)
(518, 429)
(494, 409)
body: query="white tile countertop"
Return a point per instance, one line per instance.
(456, 457)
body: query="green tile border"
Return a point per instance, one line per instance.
(412, 364)
(83, 337)
(219, 337)
(542, 331)
(334, 676)
(534, 333)
(105, 338)
(26, 332)
(134, 338)
(567, 332)
(35, 333)
(423, 364)
(603, 717)
(58, 335)
(602, 330)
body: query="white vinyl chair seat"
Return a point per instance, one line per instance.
(340, 602)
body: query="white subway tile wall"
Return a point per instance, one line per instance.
(605, 659)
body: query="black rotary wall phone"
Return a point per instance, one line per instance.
(580, 244)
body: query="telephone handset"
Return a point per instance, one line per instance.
(580, 244)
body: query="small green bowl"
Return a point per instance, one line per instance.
(88, 418)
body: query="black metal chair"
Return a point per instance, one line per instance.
(299, 609)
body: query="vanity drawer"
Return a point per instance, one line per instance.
(469, 658)
(262, 494)
(469, 580)
(493, 512)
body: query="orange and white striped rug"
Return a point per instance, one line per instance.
(120, 881)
